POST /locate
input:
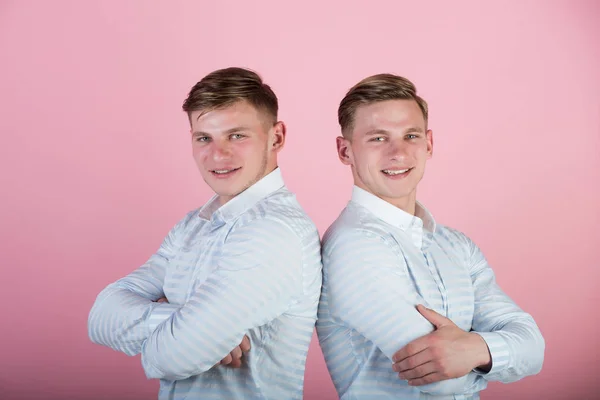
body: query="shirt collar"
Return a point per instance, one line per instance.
(420, 226)
(241, 203)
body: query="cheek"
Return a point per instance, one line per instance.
(359, 154)
(200, 154)
(368, 160)
(372, 157)
(247, 147)
(250, 150)
(419, 153)
(240, 153)
(196, 152)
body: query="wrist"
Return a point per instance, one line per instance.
(484, 357)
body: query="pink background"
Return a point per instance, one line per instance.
(96, 161)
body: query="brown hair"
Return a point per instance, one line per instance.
(373, 89)
(224, 87)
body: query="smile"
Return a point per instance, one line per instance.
(394, 172)
(224, 172)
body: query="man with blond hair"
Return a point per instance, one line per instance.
(410, 308)
(225, 309)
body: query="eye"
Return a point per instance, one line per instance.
(411, 136)
(202, 139)
(378, 139)
(236, 136)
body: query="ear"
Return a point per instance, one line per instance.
(429, 137)
(277, 139)
(344, 150)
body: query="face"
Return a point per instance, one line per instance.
(235, 147)
(387, 150)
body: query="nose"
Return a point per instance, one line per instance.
(221, 151)
(397, 150)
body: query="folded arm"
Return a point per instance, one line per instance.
(370, 290)
(257, 279)
(124, 312)
(515, 342)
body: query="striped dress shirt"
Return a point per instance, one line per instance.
(379, 262)
(250, 267)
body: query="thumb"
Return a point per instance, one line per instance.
(436, 319)
(245, 345)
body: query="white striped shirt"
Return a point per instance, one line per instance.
(379, 262)
(251, 267)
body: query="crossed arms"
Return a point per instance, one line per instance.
(247, 289)
(369, 293)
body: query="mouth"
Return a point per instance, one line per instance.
(224, 173)
(397, 173)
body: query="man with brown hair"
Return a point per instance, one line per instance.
(236, 282)
(409, 308)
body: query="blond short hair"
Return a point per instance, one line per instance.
(224, 87)
(380, 87)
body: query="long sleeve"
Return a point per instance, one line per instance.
(513, 338)
(125, 312)
(256, 279)
(370, 291)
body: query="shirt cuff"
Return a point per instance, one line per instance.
(160, 313)
(499, 352)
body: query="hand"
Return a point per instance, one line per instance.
(162, 300)
(234, 358)
(446, 353)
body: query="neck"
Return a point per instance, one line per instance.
(406, 203)
(268, 169)
(224, 199)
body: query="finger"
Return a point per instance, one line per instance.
(431, 378)
(245, 345)
(436, 319)
(418, 372)
(414, 347)
(227, 359)
(236, 353)
(235, 363)
(413, 361)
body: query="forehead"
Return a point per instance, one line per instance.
(240, 113)
(388, 115)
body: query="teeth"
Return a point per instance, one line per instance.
(395, 172)
(222, 171)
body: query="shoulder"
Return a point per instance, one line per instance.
(277, 217)
(454, 240)
(356, 228)
(187, 222)
(449, 234)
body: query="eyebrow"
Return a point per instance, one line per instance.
(414, 129)
(376, 132)
(228, 132)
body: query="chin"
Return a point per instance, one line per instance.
(396, 195)
(228, 192)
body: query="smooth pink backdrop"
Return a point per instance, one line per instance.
(96, 161)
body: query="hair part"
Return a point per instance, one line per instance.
(376, 88)
(224, 87)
